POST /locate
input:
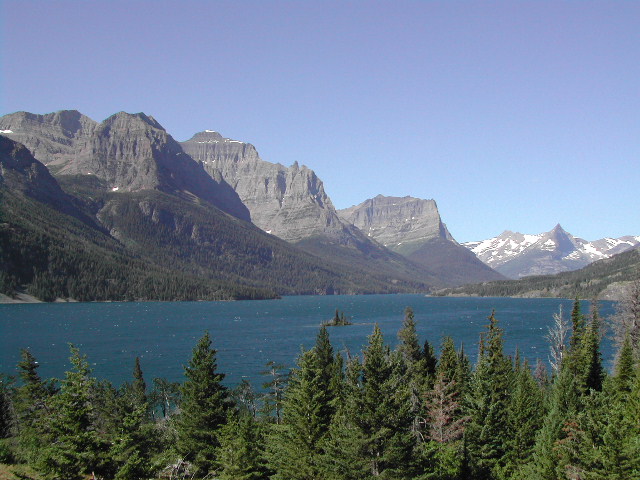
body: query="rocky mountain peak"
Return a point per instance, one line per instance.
(517, 255)
(128, 151)
(287, 202)
(20, 172)
(399, 223)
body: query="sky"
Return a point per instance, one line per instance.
(512, 115)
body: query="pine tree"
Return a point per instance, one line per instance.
(241, 451)
(384, 412)
(590, 358)
(139, 386)
(308, 409)
(525, 416)
(74, 447)
(203, 409)
(564, 403)
(32, 405)
(488, 402)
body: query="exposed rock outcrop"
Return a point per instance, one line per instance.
(289, 202)
(413, 227)
(129, 152)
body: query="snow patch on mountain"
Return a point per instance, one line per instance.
(517, 255)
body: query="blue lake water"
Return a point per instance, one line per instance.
(248, 334)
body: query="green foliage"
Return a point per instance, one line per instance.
(203, 409)
(241, 451)
(498, 422)
(588, 282)
(74, 447)
(488, 402)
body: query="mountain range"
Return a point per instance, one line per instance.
(517, 255)
(119, 210)
(163, 220)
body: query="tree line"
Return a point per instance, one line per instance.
(402, 413)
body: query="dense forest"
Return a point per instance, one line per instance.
(405, 413)
(596, 279)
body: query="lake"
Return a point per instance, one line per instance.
(248, 334)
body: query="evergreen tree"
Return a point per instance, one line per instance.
(7, 420)
(384, 412)
(590, 358)
(32, 405)
(275, 387)
(488, 401)
(409, 346)
(309, 406)
(564, 403)
(139, 386)
(203, 409)
(130, 450)
(525, 416)
(625, 370)
(578, 327)
(74, 448)
(241, 451)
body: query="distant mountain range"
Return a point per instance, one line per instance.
(118, 210)
(137, 215)
(517, 255)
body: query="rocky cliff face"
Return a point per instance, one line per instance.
(21, 172)
(51, 138)
(289, 202)
(400, 224)
(129, 152)
(412, 227)
(518, 255)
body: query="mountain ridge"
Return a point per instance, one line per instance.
(517, 255)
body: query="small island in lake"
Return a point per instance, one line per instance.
(338, 320)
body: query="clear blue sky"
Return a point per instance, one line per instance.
(511, 115)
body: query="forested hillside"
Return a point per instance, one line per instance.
(397, 414)
(602, 279)
(90, 242)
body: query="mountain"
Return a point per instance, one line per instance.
(516, 255)
(164, 227)
(50, 249)
(413, 228)
(129, 152)
(290, 202)
(602, 279)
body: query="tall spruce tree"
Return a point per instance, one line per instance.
(384, 412)
(203, 409)
(308, 409)
(32, 405)
(488, 402)
(241, 451)
(74, 449)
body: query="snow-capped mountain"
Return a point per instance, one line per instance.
(517, 255)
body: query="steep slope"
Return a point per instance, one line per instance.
(49, 250)
(516, 255)
(51, 138)
(602, 279)
(290, 202)
(413, 227)
(129, 152)
(151, 201)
